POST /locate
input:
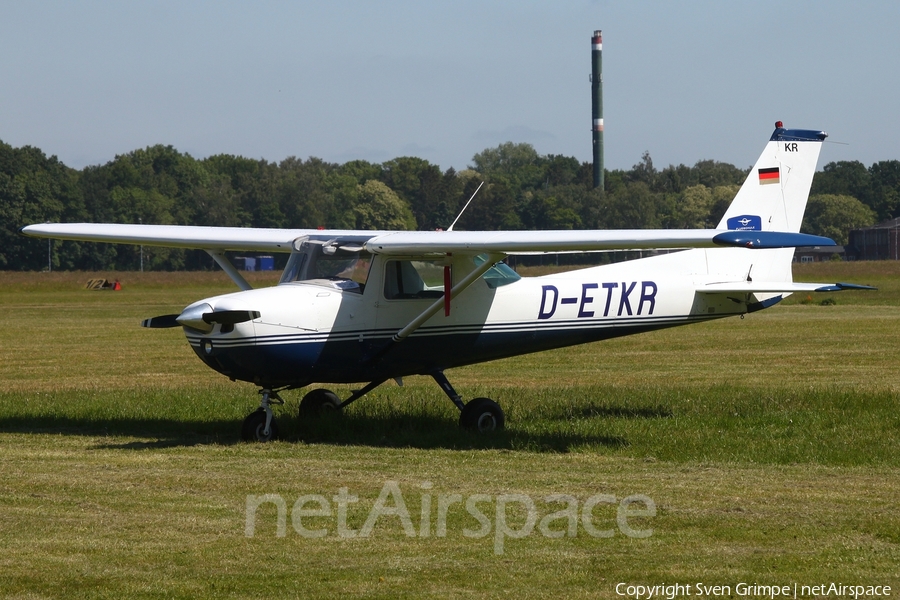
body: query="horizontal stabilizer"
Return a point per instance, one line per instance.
(770, 239)
(840, 287)
(765, 287)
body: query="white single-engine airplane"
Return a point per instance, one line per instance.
(369, 306)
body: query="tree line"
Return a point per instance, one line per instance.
(523, 190)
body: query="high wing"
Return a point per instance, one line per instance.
(422, 242)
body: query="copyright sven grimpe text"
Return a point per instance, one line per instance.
(751, 590)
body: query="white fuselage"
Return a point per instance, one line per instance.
(321, 331)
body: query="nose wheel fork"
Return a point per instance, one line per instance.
(260, 425)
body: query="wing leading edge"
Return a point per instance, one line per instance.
(177, 236)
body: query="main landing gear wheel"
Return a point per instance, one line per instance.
(319, 403)
(482, 415)
(254, 428)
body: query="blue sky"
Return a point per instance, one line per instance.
(343, 80)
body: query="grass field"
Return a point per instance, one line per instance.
(760, 450)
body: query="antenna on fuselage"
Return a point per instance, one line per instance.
(465, 207)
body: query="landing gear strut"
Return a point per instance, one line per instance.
(479, 414)
(321, 402)
(260, 426)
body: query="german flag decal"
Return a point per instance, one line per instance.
(770, 175)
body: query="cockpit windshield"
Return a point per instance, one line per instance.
(336, 263)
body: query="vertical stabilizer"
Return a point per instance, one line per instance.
(774, 195)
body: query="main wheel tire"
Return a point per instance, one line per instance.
(319, 403)
(482, 415)
(255, 424)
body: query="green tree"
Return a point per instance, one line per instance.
(420, 184)
(361, 170)
(558, 207)
(844, 178)
(723, 195)
(631, 207)
(692, 208)
(563, 170)
(34, 189)
(378, 207)
(216, 204)
(644, 172)
(713, 173)
(305, 195)
(518, 165)
(835, 215)
(493, 209)
(884, 181)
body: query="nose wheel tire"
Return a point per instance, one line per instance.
(254, 428)
(319, 403)
(482, 415)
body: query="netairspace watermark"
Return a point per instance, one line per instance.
(751, 590)
(501, 514)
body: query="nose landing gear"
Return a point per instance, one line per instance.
(260, 425)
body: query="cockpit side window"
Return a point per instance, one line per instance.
(413, 279)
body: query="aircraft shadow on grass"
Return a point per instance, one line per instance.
(393, 431)
(625, 412)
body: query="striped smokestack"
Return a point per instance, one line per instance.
(597, 102)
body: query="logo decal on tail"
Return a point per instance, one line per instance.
(745, 223)
(770, 175)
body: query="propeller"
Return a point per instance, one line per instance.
(201, 318)
(230, 317)
(161, 322)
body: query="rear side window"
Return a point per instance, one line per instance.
(498, 275)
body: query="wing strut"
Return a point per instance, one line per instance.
(222, 261)
(454, 292)
(437, 305)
